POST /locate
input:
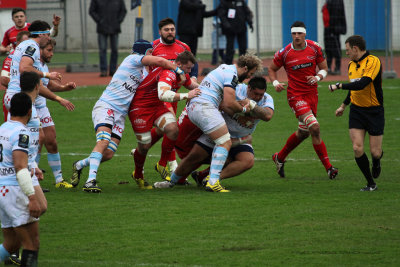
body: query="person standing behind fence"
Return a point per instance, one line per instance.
(190, 22)
(334, 25)
(108, 16)
(218, 43)
(234, 15)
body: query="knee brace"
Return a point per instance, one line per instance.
(164, 120)
(112, 146)
(144, 138)
(103, 135)
(310, 120)
(223, 139)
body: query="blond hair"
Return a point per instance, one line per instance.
(250, 61)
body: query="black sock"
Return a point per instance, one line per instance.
(363, 164)
(29, 258)
(377, 162)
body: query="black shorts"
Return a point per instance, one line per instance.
(371, 119)
(232, 152)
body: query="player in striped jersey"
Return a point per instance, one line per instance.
(110, 110)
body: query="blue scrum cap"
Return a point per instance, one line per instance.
(141, 46)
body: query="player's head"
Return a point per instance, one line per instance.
(30, 82)
(298, 31)
(141, 47)
(40, 29)
(22, 36)
(19, 17)
(256, 88)
(248, 65)
(166, 29)
(355, 45)
(47, 50)
(185, 61)
(20, 105)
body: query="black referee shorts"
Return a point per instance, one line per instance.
(371, 119)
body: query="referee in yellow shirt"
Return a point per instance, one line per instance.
(366, 110)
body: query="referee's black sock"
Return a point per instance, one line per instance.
(29, 258)
(363, 164)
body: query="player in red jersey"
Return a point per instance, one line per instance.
(167, 46)
(300, 59)
(147, 108)
(5, 70)
(19, 17)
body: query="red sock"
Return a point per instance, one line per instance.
(172, 156)
(291, 144)
(167, 148)
(322, 154)
(139, 163)
(203, 174)
(154, 136)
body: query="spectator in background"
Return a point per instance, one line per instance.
(190, 22)
(18, 15)
(218, 43)
(334, 25)
(234, 15)
(108, 16)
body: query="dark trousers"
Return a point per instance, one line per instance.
(333, 50)
(230, 41)
(215, 53)
(191, 41)
(102, 40)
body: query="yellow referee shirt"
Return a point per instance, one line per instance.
(371, 95)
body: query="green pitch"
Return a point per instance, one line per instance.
(304, 219)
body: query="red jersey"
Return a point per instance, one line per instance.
(7, 65)
(168, 51)
(299, 64)
(10, 36)
(147, 93)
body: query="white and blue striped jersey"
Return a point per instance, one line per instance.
(122, 88)
(33, 127)
(27, 48)
(13, 136)
(40, 101)
(240, 124)
(212, 86)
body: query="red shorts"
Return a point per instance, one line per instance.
(188, 134)
(172, 106)
(142, 119)
(304, 103)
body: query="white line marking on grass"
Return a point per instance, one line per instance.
(105, 263)
(256, 159)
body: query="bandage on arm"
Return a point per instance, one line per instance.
(25, 182)
(165, 94)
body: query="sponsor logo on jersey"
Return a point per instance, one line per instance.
(300, 103)
(302, 66)
(23, 141)
(234, 81)
(7, 171)
(30, 51)
(139, 121)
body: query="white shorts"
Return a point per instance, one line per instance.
(14, 209)
(205, 116)
(7, 98)
(45, 117)
(104, 115)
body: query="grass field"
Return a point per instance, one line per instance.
(302, 220)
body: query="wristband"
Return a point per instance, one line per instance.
(337, 86)
(183, 96)
(252, 104)
(323, 73)
(318, 78)
(25, 182)
(275, 83)
(44, 74)
(244, 110)
(179, 71)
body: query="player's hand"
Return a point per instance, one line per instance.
(339, 111)
(333, 87)
(280, 87)
(312, 80)
(65, 103)
(55, 76)
(33, 206)
(194, 93)
(39, 174)
(69, 86)
(56, 20)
